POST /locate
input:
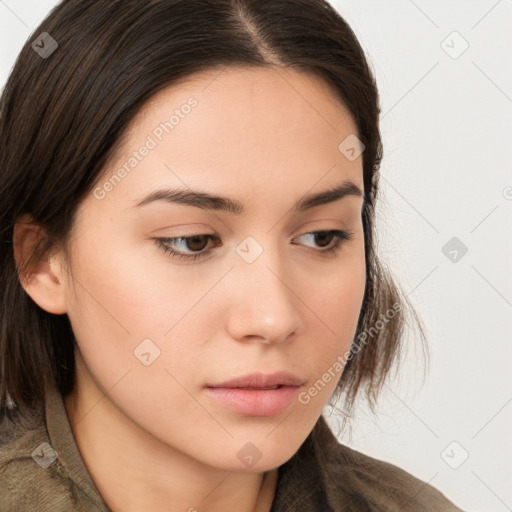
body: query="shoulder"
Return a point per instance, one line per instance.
(352, 476)
(32, 476)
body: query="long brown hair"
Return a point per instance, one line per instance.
(64, 114)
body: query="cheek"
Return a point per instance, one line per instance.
(133, 307)
(130, 287)
(336, 306)
(336, 298)
(136, 327)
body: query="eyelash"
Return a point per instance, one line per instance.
(162, 243)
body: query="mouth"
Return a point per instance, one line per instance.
(270, 387)
(257, 394)
(260, 380)
(255, 401)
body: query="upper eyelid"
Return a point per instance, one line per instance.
(216, 236)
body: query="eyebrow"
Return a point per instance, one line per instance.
(208, 201)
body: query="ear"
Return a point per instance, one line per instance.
(42, 279)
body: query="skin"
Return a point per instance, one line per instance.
(149, 435)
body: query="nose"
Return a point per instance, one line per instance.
(264, 306)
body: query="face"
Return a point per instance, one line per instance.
(276, 286)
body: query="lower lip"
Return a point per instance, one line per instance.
(256, 402)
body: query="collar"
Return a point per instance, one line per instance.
(63, 442)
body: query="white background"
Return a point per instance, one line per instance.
(447, 131)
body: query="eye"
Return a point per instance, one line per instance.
(194, 243)
(330, 242)
(325, 238)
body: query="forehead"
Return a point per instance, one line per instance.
(233, 98)
(255, 129)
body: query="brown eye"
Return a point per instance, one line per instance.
(197, 242)
(192, 247)
(324, 238)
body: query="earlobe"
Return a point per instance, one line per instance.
(42, 279)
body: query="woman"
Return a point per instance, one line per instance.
(188, 193)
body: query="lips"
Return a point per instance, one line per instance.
(261, 381)
(257, 394)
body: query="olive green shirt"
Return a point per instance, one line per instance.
(323, 476)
